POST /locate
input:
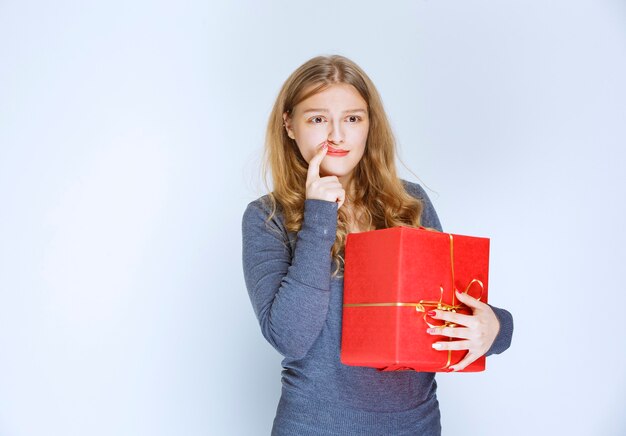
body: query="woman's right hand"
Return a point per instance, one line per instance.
(323, 188)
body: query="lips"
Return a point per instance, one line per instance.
(332, 151)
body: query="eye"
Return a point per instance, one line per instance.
(354, 118)
(316, 120)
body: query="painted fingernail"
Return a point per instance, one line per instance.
(431, 313)
(450, 369)
(437, 346)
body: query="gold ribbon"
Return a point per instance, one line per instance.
(422, 305)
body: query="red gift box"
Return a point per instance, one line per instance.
(392, 278)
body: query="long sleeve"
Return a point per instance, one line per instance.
(505, 334)
(430, 219)
(289, 292)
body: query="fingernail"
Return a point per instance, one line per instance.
(450, 369)
(431, 313)
(437, 346)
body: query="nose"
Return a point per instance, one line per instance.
(335, 135)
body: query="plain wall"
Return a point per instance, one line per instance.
(130, 144)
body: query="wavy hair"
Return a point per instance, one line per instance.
(376, 193)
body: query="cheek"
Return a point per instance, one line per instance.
(359, 135)
(308, 144)
(360, 139)
(306, 150)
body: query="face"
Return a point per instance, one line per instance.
(337, 116)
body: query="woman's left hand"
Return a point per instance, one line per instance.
(477, 332)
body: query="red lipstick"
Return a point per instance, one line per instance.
(332, 151)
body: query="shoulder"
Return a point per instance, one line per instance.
(262, 208)
(262, 214)
(429, 216)
(262, 205)
(414, 189)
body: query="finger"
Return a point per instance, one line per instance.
(313, 172)
(341, 198)
(329, 181)
(452, 345)
(330, 184)
(336, 194)
(451, 332)
(457, 318)
(334, 191)
(469, 358)
(470, 301)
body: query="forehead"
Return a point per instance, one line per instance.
(336, 98)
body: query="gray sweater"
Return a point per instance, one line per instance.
(299, 308)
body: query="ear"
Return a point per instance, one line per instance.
(287, 124)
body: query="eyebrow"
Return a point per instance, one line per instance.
(326, 110)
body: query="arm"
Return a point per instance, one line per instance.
(289, 295)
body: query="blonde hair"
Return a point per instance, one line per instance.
(376, 191)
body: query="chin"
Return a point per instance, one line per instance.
(334, 173)
(339, 170)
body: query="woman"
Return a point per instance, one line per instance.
(331, 153)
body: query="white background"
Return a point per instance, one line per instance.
(130, 142)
